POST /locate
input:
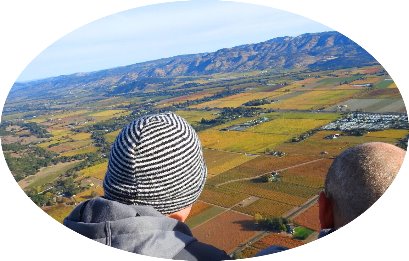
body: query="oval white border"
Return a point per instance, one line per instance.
(27, 27)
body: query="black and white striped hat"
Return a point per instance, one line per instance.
(156, 160)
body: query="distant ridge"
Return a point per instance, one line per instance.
(314, 51)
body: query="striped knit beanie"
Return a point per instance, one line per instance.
(156, 160)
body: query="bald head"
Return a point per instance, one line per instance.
(359, 176)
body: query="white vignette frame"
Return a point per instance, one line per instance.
(30, 233)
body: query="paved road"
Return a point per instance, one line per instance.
(296, 211)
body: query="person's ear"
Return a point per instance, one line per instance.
(182, 214)
(326, 211)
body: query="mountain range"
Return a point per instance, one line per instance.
(310, 51)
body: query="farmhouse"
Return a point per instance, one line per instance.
(363, 85)
(332, 136)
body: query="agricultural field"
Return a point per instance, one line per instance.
(220, 161)
(277, 239)
(226, 231)
(392, 86)
(369, 79)
(265, 207)
(59, 211)
(46, 175)
(111, 136)
(62, 115)
(65, 147)
(388, 134)
(384, 84)
(222, 197)
(97, 171)
(332, 83)
(69, 146)
(83, 150)
(109, 113)
(197, 219)
(309, 175)
(271, 239)
(313, 100)
(390, 93)
(302, 233)
(316, 144)
(80, 136)
(250, 142)
(259, 166)
(166, 102)
(235, 100)
(22, 139)
(89, 193)
(288, 127)
(282, 192)
(309, 218)
(194, 117)
(373, 105)
(198, 207)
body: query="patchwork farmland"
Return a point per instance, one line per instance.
(252, 127)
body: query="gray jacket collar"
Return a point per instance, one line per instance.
(138, 229)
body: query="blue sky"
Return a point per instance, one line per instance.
(164, 30)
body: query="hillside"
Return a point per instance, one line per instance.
(313, 51)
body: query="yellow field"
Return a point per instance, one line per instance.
(109, 113)
(46, 174)
(236, 100)
(393, 85)
(111, 136)
(59, 212)
(366, 69)
(46, 144)
(395, 134)
(69, 114)
(106, 115)
(68, 146)
(58, 116)
(88, 149)
(88, 194)
(81, 136)
(38, 120)
(307, 81)
(313, 99)
(190, 97)
(239, 141)
(219, 161)
(369, 79)
(331, 116)
(65, 136)
(59, 132)
(236, 141)
(315, 144)
(195, 116)
(98, 171)
(288, 127)
(59, 136)
(233, 122)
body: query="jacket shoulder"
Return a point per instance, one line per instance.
(198, 251)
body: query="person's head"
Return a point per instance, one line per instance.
(157, 160)
(356, 179)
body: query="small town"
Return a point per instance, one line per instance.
(369, 121)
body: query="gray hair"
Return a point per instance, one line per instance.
(359, 176)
